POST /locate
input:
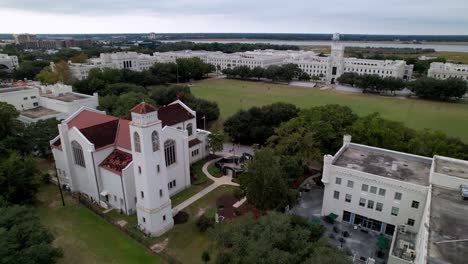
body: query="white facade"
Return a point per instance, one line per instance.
(132, 166)
(328, 68)
(119, 60)
(10, 62)
(393, 193)
(441, 70)
(36, 102)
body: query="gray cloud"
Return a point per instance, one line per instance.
(363, 16)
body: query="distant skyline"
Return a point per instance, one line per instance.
(416, 17)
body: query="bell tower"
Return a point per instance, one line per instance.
(154, 210)
(336, 59)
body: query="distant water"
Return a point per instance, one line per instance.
(458, 48)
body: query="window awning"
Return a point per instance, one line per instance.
(104, 193)
(333, 216)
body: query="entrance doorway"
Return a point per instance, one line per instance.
(332, 81)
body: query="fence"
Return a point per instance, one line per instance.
(140, 238)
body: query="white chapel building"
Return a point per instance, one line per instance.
(132, 166)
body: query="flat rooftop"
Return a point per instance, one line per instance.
(38, 112)
(14, 89)
(66, 97)
(455, 168)
(448, 227)
(381, 162)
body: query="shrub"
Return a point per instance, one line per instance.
(238, 194)
(181, 217)
(203, 223)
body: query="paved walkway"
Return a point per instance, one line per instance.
(223, 180)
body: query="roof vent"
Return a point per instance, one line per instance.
(446, 169)
(394, 166)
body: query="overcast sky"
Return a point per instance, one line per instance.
(286, 16)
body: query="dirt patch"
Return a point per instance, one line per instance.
(159, 247)
(121, 223)
(202, 210)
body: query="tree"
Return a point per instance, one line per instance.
(256, 125)
(215, 142)
(313, 133)
(120, 105)
(451, 88)
(23, 239)
(258, 72)
(8, 122)
(373, 130)
(274, 238)
(304, 76)
(39, 134)
(80, 58)
(60, 73)
(206, 256)
(192, 68)
(264, 182)
(18, 181)
(122, 88)
(164, 72)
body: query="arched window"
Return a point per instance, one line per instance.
(78, 154)
(136, 142)
(170, 152)
(190, 129)
(155, 140)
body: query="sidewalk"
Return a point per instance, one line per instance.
(223, 180)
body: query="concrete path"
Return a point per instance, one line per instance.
(223, 180)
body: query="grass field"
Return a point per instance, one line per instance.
(84, 236)
(185, 242)
(232, 95)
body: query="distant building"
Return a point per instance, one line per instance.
(8, 62)
(119, 60)
(24, 38)
(441, 70)
(412, 199)
(152, 35)
(328, 68)
(36, 102)
(133, 166)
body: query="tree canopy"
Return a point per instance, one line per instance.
(274, 238)
(22, 238)
(257, 124)
(265, 183)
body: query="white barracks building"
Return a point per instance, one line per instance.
(118, 60)
(133, 166)
(415, 200)
(441, 70)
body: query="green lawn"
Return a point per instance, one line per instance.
(84, 236)
(201, 183)
(185, 242)
(232, 95)
(214, 171)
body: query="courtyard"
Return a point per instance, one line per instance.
(362, 243)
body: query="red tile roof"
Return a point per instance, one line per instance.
(57, 144)
(103, 130)
(194, 142)
(117, 161)
(101, 135)
(88, 118)
(143, 108)
(173, 114)
(123, 135)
